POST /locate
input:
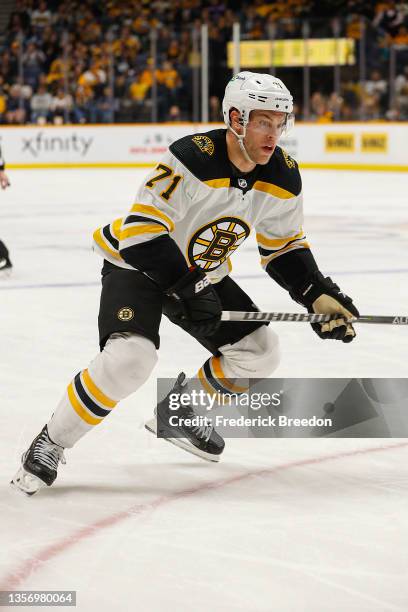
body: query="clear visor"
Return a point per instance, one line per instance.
(276, 125)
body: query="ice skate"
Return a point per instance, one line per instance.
(201, 440)
(39, 464)
(5, 267)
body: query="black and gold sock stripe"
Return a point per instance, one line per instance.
(88, 401)
(213, 378)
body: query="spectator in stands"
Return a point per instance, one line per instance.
(15, 29)
(62, 17)
(173, 51)
(50, 46)
(185, 48)
(5, 72)
(91, 31)
(170, 78)
(375, 94)
(401, 82)
(83, 110)
(215, 10)
(257, 31)
(319, 111)
(21, 16)
(215, 111)
(41, 17)
(33, 60)
(354, 26)
(351, 94)
(248, 18)
(105, 107)
(75, 44)
(389, 18)
(163, 40)
(61, 107)
(164, 100)
(16, 110)
(128, 42)
(59, 69)
(175, 114)
(137, 93)
(3, 104)
(141, 23)
(93, 78)
(401, 93)
(121, 86)
(335, 105)
(14, 60)
(401, 37)
(41, 103)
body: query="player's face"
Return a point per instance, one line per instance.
(262, 134)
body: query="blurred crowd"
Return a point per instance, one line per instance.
(90, 61)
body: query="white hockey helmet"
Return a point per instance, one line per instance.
(248, 91)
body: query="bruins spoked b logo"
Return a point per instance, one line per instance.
(125, 314)
(213, 243)
(204, 143)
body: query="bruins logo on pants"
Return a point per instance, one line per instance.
(125, 314)
(213, 243)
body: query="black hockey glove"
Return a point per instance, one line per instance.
(320, 295)
(193, 304)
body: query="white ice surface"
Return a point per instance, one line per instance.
(272, 527)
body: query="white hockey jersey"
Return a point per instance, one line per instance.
(209, 208)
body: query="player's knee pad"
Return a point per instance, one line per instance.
(254, 356)
(125, 363)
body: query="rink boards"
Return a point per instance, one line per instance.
(339, 146)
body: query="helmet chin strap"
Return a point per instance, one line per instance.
(240, 138)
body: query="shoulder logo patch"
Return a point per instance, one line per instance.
(204, 143)
(289, 161)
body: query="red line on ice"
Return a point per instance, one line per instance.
(23, 571)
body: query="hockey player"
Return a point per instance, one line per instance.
(170, 254)
(5, 263)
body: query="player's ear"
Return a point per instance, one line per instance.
(235, 120)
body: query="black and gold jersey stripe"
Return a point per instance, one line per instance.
(206, 156)
(269, 248)
(144, 222)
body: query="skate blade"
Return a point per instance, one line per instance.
(5, 273)
(183, 443)
(26, 483)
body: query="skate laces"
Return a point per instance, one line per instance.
(203, 430)
(48, 453)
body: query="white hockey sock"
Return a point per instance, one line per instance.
(119, 370)
(241, 364)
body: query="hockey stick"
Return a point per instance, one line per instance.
(299, 317)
